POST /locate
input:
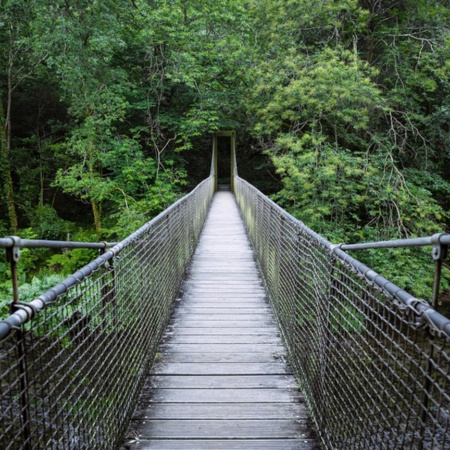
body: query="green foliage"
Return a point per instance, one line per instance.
(46, 224)
(410, 268)
(346, 318)
(349, 105)
(30, 259)
(158, 195)
(37, 286)
(329, 92)
(69, 261)
(27, 291)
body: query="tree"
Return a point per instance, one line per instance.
(19, 62)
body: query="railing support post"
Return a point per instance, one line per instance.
(108, 290)
(214, 163)
(324, 338)
(440, 252)
(13, 256)
(233, 161)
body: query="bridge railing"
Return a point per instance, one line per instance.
(373, 361)
(72, 361)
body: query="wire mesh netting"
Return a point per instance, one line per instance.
(373, 361)
(72, 362)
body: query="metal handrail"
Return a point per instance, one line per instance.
(15, 241)
(436, 239)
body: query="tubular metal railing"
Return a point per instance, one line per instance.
(72, 361)
(373, 361)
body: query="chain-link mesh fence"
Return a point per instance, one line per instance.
(374, 362)
(72, 362)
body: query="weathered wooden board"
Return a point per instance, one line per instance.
(214, 295)
(231, 316)
(255, 395)
(220, 379)
(242, 324)
(222, 331)
(220, 411)
(226, 444)
(222, 429)
(222, 348)
(245, 310)
(224, 382)
(260, 357)
(225, 339)
(218, 302)
(269, 368)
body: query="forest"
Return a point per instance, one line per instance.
(341, 109)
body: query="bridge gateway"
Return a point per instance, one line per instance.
(372, 361)
(223, 158)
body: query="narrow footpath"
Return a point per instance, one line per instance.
(220, 380)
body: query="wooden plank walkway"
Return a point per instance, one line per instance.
(221, 381)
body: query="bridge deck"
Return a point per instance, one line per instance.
(221, 381)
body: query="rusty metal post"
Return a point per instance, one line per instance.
(13, 256)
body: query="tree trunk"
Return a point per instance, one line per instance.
(5, 149)
(97, 218)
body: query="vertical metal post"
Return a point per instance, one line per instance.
(108, 289)
(214, 164)
(233, 159)
(426, 391)
(277, 243)
(12, 256)
(324, 340)
(437, 278)
(440, 252)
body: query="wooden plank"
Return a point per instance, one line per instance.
(242, 324)
(214, 295)
(228, 267)
(223, 429)
(267, 331)
(226, 302)
(223, 382)
(225, 274)
(223, 348)
(224, 339)
(219, 286)
(268, 368)
(226, 444)
(260, 357)
(232, 316)
(220, 411)
(239, 278)
(223, 311)
(229, 301)
(230, 304)
(227, 285)
(225, 395)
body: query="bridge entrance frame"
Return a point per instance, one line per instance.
(215, 160)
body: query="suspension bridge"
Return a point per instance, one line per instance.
(225, 323)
